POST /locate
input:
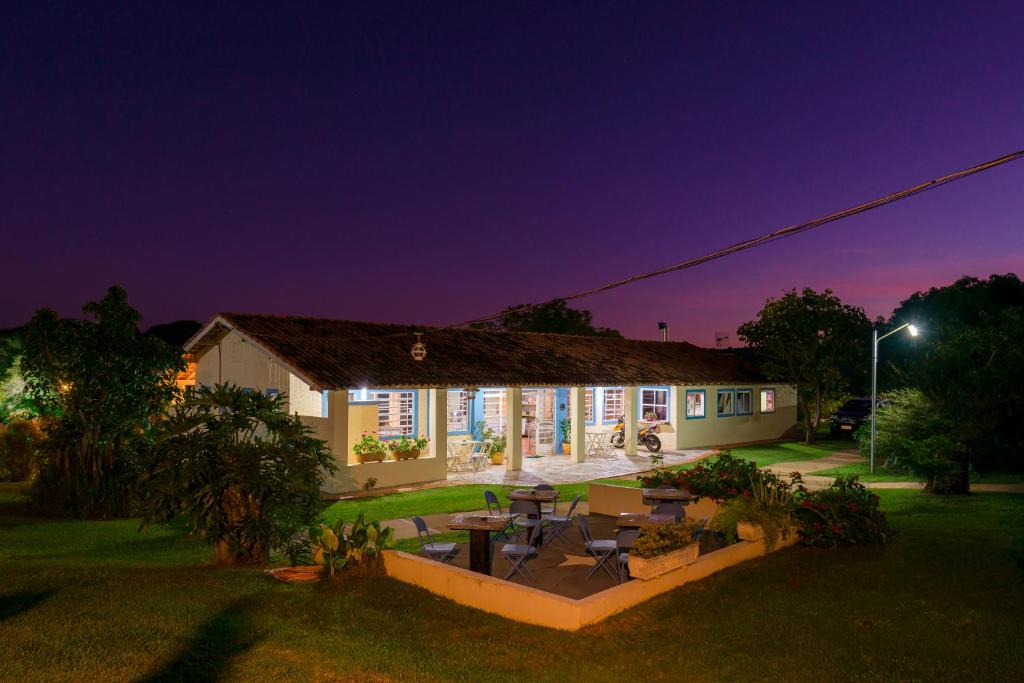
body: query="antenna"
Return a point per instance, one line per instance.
(721, 340)
(664, 331)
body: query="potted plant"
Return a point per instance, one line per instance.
(660, 548)
(566, 426)
(406, 448)
(765, 512)
(498, 442)
(369, 449)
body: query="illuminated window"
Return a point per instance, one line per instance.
(744, 402)
(458, 412)
(396, 412)
(588, 406)
(767, 400)
(612, 406)
(654, 405)
(494, 409)
(695, 403)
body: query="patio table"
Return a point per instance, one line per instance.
(480, 528)
(635, 520)
(655, 496)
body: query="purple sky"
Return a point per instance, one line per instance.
(433, 162)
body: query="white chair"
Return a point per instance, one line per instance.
(479, 455)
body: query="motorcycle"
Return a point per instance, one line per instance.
(646, 436)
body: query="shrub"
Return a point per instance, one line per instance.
(721, 478)
(241, 471)
(845, 512)
(19, 444)
(659, 539)
(357, 552)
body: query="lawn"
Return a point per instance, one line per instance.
(85, 600)
(863, 471)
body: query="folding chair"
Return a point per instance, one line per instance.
(602, 549)
(554, 504)
(559, 523)
(523, 523)
(675, 509)
(493, 504)
(623, 544)
(518, 555)
(442, 552)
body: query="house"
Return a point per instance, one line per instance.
(344, 378)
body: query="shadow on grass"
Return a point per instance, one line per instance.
(13, 604)
(208, 653)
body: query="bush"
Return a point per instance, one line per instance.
(19, 444)
(358, 552)
(769, 504)
(845, 512)
(721, 478)
(658, 539)
(241, 471)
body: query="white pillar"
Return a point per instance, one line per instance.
(677, 399)
(629, 407)
(437, 429)
(337, 420)
(513, 429)
(577, 413)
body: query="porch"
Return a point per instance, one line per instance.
(561, 469)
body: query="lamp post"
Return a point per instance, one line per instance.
(912, 329)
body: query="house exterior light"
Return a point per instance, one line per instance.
(419, 350)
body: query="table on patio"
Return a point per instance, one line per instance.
(480, 528)
(635, 520)
(655, 496)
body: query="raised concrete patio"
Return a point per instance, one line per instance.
(560, 469)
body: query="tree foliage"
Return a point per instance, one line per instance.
(100, 382)
(15, 403)
(245, 474)
(809, 338)
(969, 367)
(554, 316)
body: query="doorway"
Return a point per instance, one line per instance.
(538, 422)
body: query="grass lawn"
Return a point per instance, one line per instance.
(863, 471)
(86, 600)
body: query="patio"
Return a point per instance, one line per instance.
(560, 469)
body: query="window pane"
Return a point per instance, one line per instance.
(458, 411)
(395, 412)
(654, 405)
(744, 402)
(725, 403)
(767, 400)
(613, 400)
(695, 404)
(588, 405)
(494, 409)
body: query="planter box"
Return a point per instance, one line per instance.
(650, 567)
(370, 457)
(749, 532)
(411, 454)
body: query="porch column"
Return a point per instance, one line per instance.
(677, 399)
(513, 429)
(437, 429)
(629, 407)
(577, 413)
(337, 421)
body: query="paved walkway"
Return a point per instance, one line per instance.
(560, 469)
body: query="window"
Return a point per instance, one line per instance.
(767, 400)
(588, 406)
(396, 412)
(612, 407)
(726, 405)
(654, 405)
(695, 403)
(494, 409)
(744, 401)
(458, 412)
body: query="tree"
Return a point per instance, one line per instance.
(101, 382)
(14, 400)
(176, 333)
(244, 473)
(808, 338)
(554, 317)
(969, 367)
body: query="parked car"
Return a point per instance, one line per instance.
(850, 416)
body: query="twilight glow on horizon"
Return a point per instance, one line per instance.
(430, 163)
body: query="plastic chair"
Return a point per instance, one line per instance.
(442, 552)
(623, 543)
(557, 524)
(602, 549)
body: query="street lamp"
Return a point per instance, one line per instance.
(912, 329)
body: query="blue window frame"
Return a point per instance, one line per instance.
(696, 404)
(726, 402)
(744, 401)
(653, 404)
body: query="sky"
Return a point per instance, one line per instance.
(435, 162)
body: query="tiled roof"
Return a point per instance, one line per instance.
(340, 353)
